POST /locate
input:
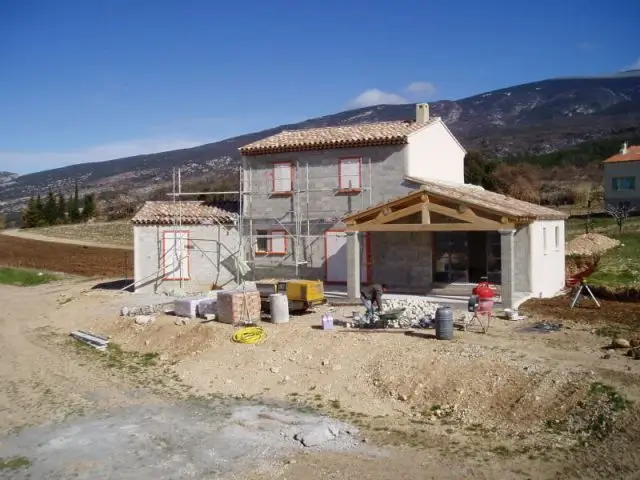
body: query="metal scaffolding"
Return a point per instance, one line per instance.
(298, 231)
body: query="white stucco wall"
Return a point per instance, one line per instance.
(211, 258)
(547, 264)
(434, 154)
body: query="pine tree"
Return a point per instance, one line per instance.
(27, 214)
(39, 216)
(50, 209)
(74, 207)
(61, 214)
(89, 207)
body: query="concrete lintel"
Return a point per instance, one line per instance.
(353, 265)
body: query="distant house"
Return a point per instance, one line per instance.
(188, 246)
(387, 202)
(621, 175)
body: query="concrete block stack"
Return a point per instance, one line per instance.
(231, 308)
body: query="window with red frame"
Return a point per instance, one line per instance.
(350, 174)
(175, 255)
(268, 242)
(282, 177)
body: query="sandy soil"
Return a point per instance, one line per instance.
(489, 405)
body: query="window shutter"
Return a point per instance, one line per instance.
(278, 242)
(282, 177)
(350, 173)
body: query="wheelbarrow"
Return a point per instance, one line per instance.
(387, 316)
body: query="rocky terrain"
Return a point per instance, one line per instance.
(537, 117)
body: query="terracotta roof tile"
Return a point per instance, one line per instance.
(363, 134)
(632, 155)
(189, 212)
(474, 195)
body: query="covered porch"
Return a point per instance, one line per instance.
(431, 243)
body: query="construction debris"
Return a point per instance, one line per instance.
(96, 341)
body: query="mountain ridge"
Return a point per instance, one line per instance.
(538, 117)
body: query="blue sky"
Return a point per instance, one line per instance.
(89, 80)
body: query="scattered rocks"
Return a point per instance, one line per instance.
(143, 310)
(634, 353)
(144, 319)
(620, 343)
(180, 321)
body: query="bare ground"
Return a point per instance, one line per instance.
(101, 234)
(513, 403)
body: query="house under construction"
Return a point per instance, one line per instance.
(382, 202)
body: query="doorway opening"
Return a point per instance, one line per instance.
(465, 257)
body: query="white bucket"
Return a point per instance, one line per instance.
(279, 305)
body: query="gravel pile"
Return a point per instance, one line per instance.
(590, 244)
(419, 312)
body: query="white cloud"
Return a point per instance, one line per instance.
(27, 162)
(422, 89)
(634, 66)
(373, 96)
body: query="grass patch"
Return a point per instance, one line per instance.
(616, 401)
(14, 463)
(604, 225)
(24, 278)
(619, 267)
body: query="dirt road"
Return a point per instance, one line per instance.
(171, 401)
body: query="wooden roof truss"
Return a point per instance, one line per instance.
(423, 212)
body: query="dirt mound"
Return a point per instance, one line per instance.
(488, 388)
(590, 244)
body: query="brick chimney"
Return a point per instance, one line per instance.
(422, 113)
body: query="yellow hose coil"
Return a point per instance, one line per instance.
(250, 335)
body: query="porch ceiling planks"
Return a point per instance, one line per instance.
(381, 218)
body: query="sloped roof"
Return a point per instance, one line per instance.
(473, 195)
(187, 212)
(632, 155)
(346, 136)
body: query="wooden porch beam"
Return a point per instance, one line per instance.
(430, 227)
(426, 216)
(389, 216)
(375, 210)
